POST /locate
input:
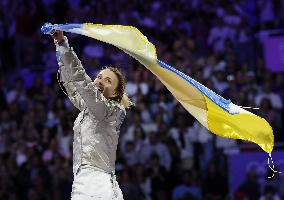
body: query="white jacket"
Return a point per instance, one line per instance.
(96, 129)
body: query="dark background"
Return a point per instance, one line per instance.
(163, 152)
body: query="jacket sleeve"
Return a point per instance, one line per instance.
(97, 104)
(65, 77)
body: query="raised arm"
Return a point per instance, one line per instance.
(65, 73)
(81, 84)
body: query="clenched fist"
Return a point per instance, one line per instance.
(58, 36)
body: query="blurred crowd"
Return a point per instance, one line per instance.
(163, 153)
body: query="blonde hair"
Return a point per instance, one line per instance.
(126, 101)
(121, 97)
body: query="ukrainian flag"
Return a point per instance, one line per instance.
(217, 114)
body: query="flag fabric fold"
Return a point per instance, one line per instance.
(217, 114)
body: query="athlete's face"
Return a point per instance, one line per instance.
(107, 82)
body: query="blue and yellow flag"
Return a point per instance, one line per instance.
(217, 114)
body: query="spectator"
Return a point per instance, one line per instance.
(251, 187)
(155, 147)
(214, 184)
(272, 96)
(187, 186)
(269, 193)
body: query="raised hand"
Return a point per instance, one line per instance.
(58, 36)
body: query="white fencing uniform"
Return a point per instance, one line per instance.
(96, 131)
(93, 183)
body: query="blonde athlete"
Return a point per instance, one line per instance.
(102, 104)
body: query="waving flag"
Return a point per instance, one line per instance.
(216, 113)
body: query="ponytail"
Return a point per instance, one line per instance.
(125, 101)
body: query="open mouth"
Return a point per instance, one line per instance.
(100, 89)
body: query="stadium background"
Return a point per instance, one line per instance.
(233, 47)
